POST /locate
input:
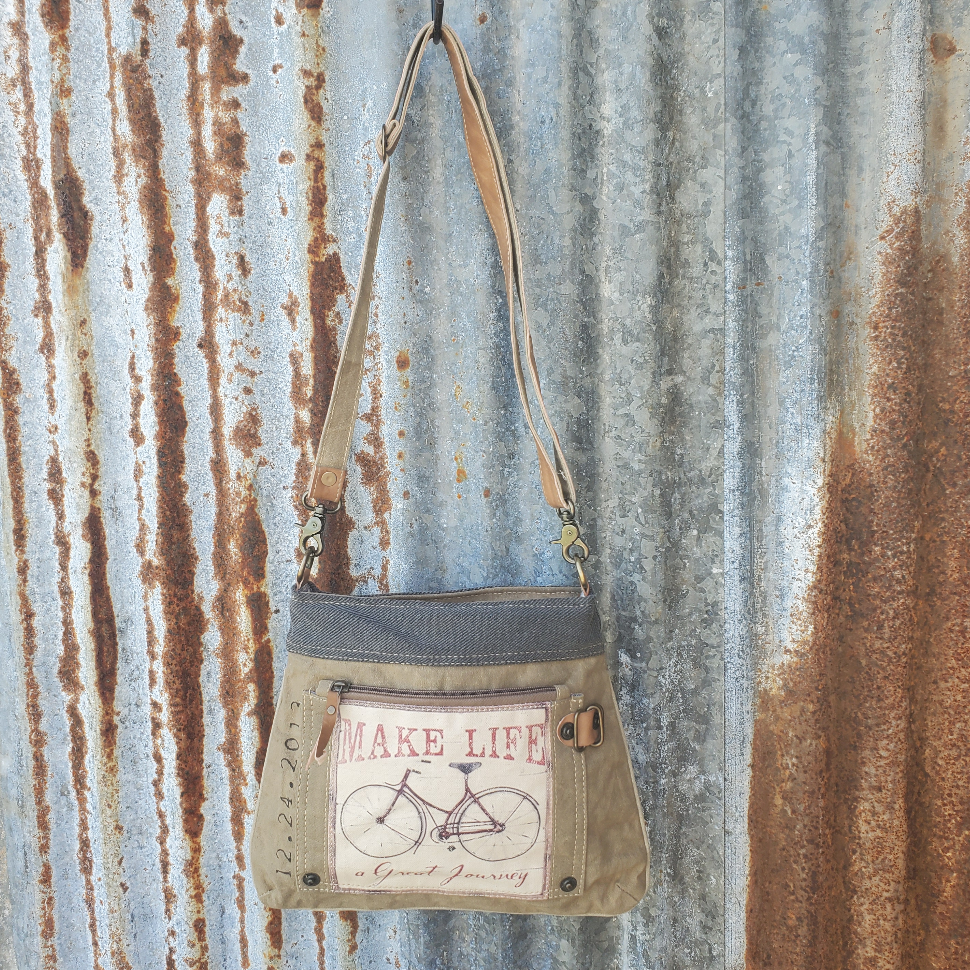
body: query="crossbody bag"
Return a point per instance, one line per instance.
(457, 750)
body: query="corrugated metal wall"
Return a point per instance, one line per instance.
(746, 232)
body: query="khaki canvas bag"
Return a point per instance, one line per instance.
(447, 751)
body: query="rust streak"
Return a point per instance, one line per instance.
(103, 633)
(119, 154)
(11, 390)
(39, 210)
(56, 17)
(274, 936)
(311, 395)
(349, 916)
(104, 627)
(858, 819)
(239, 558)
(373, 463)
(253, 552)
(146, 574)
(74, 221)
(69, 675)
(320, 932)
(74, 224)
(175, 555)
(73, 216)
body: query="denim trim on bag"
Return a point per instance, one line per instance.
(471, 628)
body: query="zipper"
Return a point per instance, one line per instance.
(340, 688)
(344, 688)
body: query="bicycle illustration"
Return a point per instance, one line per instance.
(388, 820)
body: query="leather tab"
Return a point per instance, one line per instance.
(327, 484)
(330, 714)
(582, 729)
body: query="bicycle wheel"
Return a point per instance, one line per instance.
(502, 824)
(377, 825)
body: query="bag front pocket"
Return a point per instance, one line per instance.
(462, 793)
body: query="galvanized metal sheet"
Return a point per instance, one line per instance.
(845, 386)
(743, 228)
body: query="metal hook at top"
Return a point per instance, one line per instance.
(437, 12)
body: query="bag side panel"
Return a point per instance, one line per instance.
(272, 845)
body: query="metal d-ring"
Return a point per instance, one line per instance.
(320, 507)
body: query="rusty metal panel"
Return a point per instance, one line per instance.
(184, 188)
(845, 487)
(745, 238)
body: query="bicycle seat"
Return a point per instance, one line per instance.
(465, 767)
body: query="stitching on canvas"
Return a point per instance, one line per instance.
(305, 788)
(460, 661)
(331, 801)
(576, 758)
(404, 600)
(389, 706)
(554, 890)
(370, 892)
(551, 813)
(451, 660)
(582, 840)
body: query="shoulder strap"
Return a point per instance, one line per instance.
(330, 469)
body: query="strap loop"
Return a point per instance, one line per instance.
(387, 140)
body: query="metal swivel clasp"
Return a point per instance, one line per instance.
(574, 550)
(311, 538)
(570, 538)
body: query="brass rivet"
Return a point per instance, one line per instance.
(567, 885)
(311, 879)
(328, 478)
(567, 732)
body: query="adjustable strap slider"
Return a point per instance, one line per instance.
(387, 140)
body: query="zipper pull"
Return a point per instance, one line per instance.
(330, 715)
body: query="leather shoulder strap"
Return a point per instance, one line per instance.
(330, 469)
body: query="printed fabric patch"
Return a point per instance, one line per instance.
(448, 800)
